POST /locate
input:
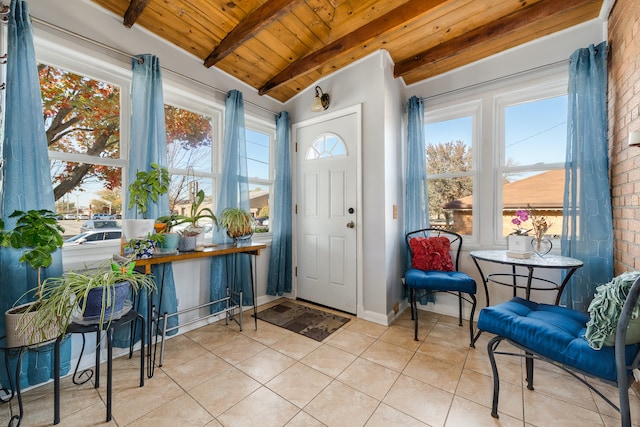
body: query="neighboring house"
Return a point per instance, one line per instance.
(543, 193)
(257, 200)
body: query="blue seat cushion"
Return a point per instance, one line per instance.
(554, 332)
(434, 280)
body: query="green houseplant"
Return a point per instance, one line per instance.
(40, 235)
(148, 186)
(238, 222)
(96, 295)
(196, 214)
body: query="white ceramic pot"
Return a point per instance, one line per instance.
(519, 243)
(137, 228)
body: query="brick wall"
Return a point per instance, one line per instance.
(624, 117)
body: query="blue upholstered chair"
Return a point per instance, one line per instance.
(434, 268)
(557, 335)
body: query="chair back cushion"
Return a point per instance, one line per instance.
(431, 253)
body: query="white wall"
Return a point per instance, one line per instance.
(369, 82)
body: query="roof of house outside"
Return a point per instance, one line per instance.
(541, 191)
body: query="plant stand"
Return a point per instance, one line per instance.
(75, 328)
(9, 393)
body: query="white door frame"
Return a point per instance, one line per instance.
(357, 109)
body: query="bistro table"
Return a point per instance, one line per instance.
(532, 282)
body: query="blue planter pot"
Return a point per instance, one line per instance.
(170, 244)
(119, 294)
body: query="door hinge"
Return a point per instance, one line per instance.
(296, 147)
(296, 272)
(296, 209)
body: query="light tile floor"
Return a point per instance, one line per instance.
(362, 375)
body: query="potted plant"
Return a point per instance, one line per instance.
(164, 225)
(97, 295)
(38, 232)
(238, 222)
(147, 186)
(145, 247)
(187, 241)
(196, 214)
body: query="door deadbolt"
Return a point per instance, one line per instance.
(351, 224)
(351, 210)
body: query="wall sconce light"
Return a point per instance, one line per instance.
(320, 101)
(634, 139)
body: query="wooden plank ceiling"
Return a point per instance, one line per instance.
(280, 47)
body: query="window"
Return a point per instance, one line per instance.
(449, 136)
(82, 122)
(495, 149)
(259, 146)
(534, 126)
(190, 149)
(87, 108)
(327, 145)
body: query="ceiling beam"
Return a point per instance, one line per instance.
(512, 22)
(133, 12)
(252, 24)
(393, 19)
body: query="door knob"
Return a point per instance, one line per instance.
(351, 224)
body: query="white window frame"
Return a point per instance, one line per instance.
(180, 98)
(488, 146)
(187, 96)
(538, 92)
(269, 129)
(470, 108)
(71, 60)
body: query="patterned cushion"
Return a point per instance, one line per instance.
(431, 253)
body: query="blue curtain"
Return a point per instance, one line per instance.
(416, 203)
(416, 199)
(234, 192)
(148, 145)
(587, 230)
(25, 150)
(279, 280)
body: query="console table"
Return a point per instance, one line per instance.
(535, 262)
(231, 304)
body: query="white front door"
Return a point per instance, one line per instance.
(327, 217)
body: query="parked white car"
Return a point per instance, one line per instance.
(99, 224)
(94, 236)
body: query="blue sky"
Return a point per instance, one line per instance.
(535, 132)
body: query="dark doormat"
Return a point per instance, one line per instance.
(307, 321)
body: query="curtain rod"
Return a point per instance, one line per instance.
(497, 79)
(129, 55)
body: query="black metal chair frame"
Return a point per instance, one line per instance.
(456, 247)
(622, 371)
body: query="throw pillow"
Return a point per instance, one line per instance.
(605, 309)
(431, 253)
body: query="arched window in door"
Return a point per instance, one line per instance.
(326, 145)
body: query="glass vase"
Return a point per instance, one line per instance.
(541, 246)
